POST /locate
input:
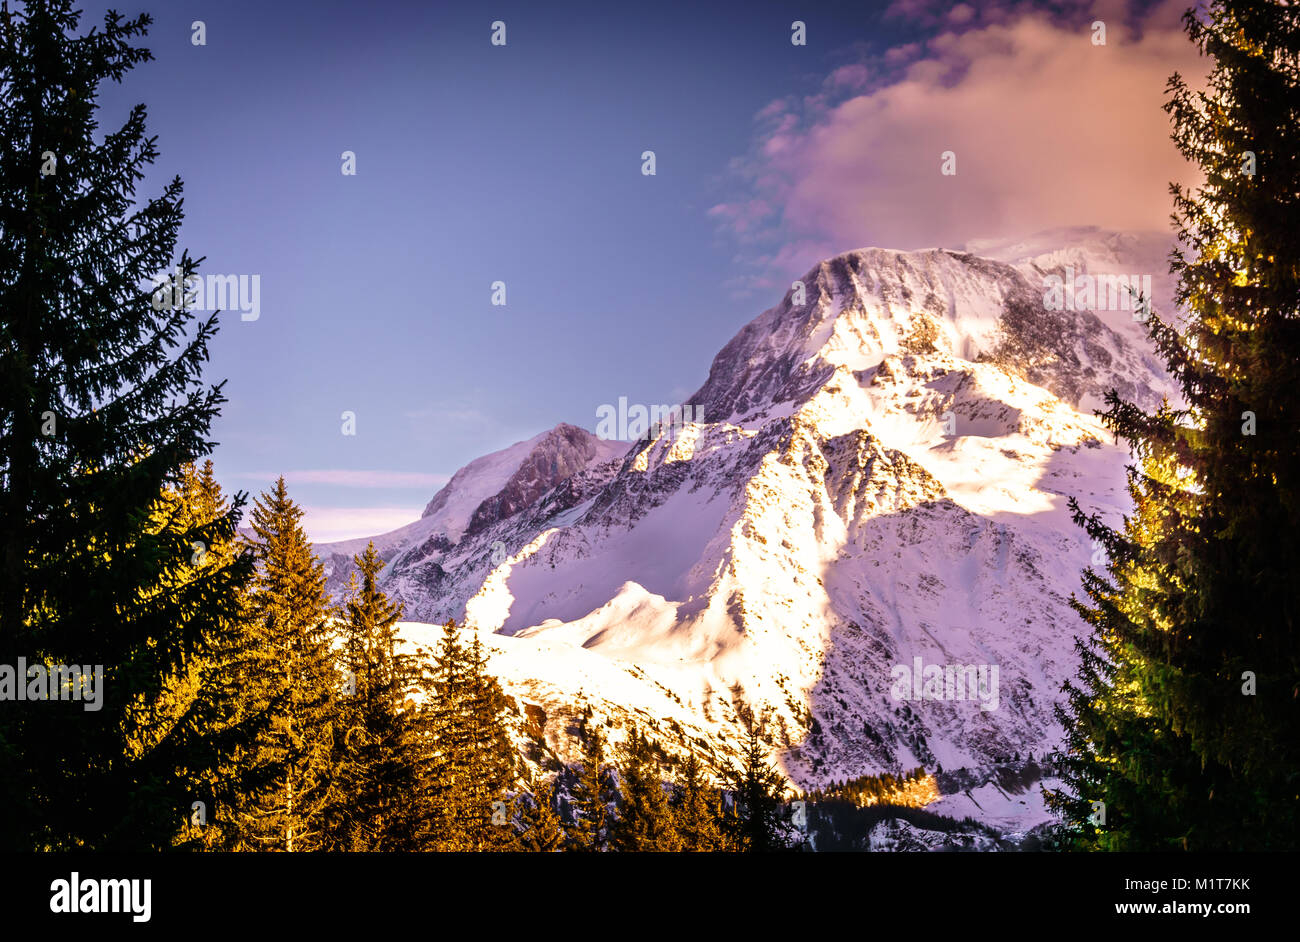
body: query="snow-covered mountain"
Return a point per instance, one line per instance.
(881, 476)
(484, 492)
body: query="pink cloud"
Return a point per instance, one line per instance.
(961, 13)
(849, 76)
(772, 110)
(742, 217)
(910, 9)
(1048, 130)
(902, 53)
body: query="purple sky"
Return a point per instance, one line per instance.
(522, 163)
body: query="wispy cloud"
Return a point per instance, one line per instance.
(1048, 130)
(349, 478)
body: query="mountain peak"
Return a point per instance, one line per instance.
(853, 310)
(555, 456)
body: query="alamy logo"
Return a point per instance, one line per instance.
(241, 293)
(946, 682)
(632, 423)
(102, 896)
(1098, 293)
(60, 682)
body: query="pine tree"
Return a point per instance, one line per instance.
(189, 505)
(697, 809)
(757, 822)
(474, 760)
(190, 721)
(1183, 729)
(645, 819)
(591, 794)
(101, 405)
(286, 667)
(383, 736)
(543, 830)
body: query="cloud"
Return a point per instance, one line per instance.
(1048, 130)
(961, 13)
(350, 478)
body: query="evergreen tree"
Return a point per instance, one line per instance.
(285, 666)
(384, 737)
(697, 809)
(1183, 729)
(591, 794)
(101, 405)
(195, 505)
(757, 822)
(474, 761)
(192, 717)
(645, 819)
(543, 831)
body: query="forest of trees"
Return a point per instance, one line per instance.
(301, 726)
(914, 788)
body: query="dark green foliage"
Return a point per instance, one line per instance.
(101, 405)
(474, 762)
(591, 794)
(758, 820)
(199, 707)
(697, 809)
(285, 665)
(384, 736)
(645, 819)
(542, 830)
(1199, 591)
